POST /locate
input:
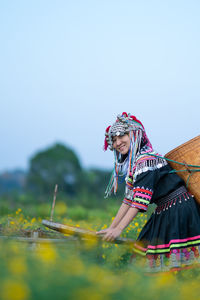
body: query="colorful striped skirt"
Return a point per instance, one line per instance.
(170, 240)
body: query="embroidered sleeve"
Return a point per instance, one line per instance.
(140, 193)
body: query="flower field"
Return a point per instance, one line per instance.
(63, 267)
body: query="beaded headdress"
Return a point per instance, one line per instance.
(124, 166)
(124, 124)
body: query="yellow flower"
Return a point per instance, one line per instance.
(18, 211)
(14, 290)
(47, 254)
(165, 280)
(21, 219)
(136, 224)
(90, 241)
(17, 265)
(105, 245)
(104, 227)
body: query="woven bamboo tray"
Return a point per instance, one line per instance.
(89, 234)
(81, 232)
(189, 154)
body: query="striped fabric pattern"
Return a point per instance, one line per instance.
(173, 244)
(141, 198)
(129, 182)
(145, 157)
(146, 162)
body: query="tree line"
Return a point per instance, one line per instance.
(60, 165)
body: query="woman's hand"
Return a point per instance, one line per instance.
(110, 234)
(103, 231)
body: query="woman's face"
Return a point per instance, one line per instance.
(122, 143)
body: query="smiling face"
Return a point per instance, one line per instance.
(122, 143)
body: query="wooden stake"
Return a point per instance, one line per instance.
(54, 201)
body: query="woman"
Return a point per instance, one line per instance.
(171, 237)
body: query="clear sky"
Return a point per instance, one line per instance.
(67, 68)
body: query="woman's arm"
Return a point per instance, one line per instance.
(119, 216)
(113, 233)
(130, 215)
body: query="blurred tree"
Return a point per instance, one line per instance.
(96, 180)
(60, 165)
(55, 165)
(94, 184)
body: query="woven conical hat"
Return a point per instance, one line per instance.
(189, 154)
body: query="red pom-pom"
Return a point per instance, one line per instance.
(105, 141)
(105, 145)
(136, 120)
(107, 129)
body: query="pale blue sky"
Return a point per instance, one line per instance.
(69, 67)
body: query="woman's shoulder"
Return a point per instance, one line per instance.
(149, 162)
